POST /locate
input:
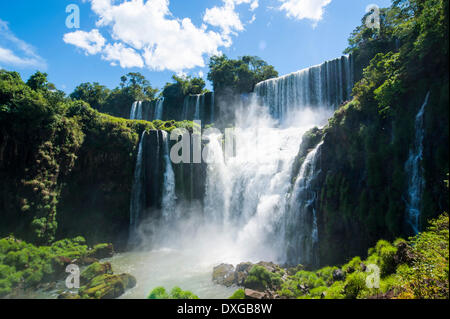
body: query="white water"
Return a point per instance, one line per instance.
(133, 111)
(414, 170)
(136, 193)
(301, 203)
(169, 196)
(247, 213)
(159, 109)
(197, 107)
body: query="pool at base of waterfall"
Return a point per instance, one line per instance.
(169, 268)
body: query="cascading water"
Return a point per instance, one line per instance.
(327, 84)
(169, 197)
(197, 107)
(414, 170)
(133, 111)
(250, 211)
(300, 224)
(159, 109)
(137, 191)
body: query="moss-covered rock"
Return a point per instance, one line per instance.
(107, 286)
(95, 270)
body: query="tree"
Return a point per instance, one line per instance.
(239, 76)
(92, 93)
(38, 81)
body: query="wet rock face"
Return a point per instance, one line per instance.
(224, 274)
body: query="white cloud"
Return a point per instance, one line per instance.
(16, 52)
(145, 33)
(126, 57)
(92, 42)
(224, 17)
(304, 9)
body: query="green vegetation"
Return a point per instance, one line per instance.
(415, 269)
(51, 151)
(176, 293)
(367, 142)
(238, 294)
(259, 278)
(183, 86)
(133, 87)
(23, 265)
(238, 76)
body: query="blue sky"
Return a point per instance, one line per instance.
(159, 37)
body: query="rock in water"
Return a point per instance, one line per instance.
(95, 270)
(107, 286)
(224, 275)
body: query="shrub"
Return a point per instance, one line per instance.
(238, 294)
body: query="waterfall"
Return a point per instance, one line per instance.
(328, 84)
(197, 107)
(212, 119)
(249, 209)
(300, 225)
(139, 111)
(169, 196)
(414, 170)
(137, 194)
(159, 109)
(133, 110)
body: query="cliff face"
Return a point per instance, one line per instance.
(363, 184)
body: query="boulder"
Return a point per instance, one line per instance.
(107, 286)
(224, 275)
(241, 273)
(69, 295)
(254, 294)
(101, 251)
(338, 275)
(95, 270)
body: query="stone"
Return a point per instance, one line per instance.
(253, 294)
(338, 275)
(95, 270)
(241, 273)
(224, 275)
(107, 286)
(101, 251)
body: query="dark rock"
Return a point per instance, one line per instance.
(338, 275)
(224, 275)
(404, 254)
(241, 273)
(101, 251)
(363, 267)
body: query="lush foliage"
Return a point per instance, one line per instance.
(51, 151)
(175, 293)
(415, 269)
(238, 76)
(368, 140)
(183, 86)
(25, 265)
